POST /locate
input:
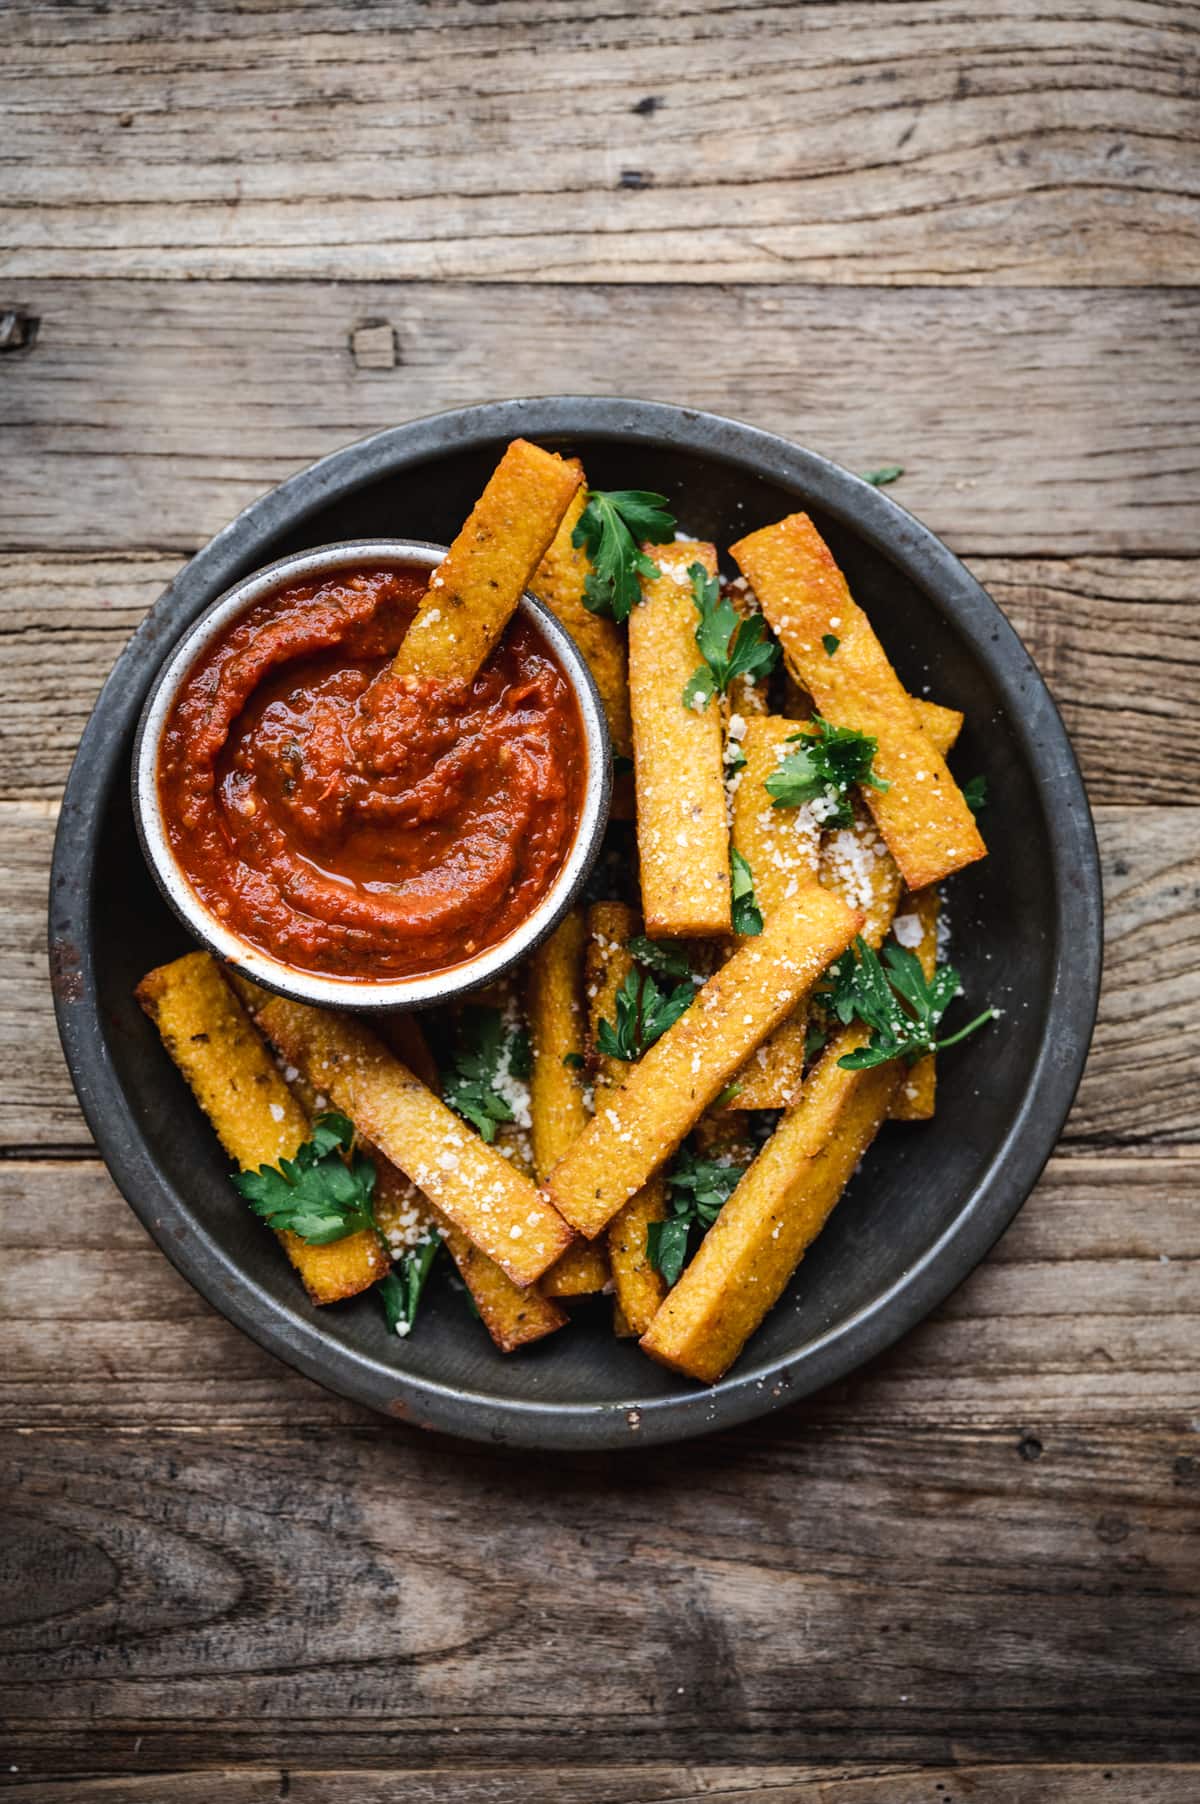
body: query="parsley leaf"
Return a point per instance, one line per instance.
(644, 1013)
(698, 1189)
(609, 530)
(880, 478)
(660, 956)
(484, 1055)
(735, 757)
(730, 645)
(400, 1292)
(975, 794)
(829, 762)
(831, 642)
(574, 1061)
(902, 1007)
(747, 915)
(320, 1194)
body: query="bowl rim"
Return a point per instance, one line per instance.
(294, 1333)
(362, 996)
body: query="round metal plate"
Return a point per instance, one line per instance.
(930, 1199)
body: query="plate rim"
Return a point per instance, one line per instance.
(295, 1335)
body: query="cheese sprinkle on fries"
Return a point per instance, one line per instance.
(673, 1096)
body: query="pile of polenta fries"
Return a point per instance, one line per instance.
(739, 1096)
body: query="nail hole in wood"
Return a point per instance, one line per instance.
(18, 330)
(373, 345)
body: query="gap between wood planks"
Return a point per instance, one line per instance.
(655, 1783)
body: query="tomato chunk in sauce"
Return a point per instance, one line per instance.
(354, 823)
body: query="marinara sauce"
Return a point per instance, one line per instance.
(361, 825)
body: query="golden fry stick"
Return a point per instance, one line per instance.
(233, 1077)
(774, 1215)
(473, 592)
(559, 581)
(783, 849)
(683, 839)
(554, 1010)
(637, 1287)
(940, 725)
(498, 1209)
(929, 829)
(856, 862)
(916, 1098)
(402, 1034)
(512, 1316)
(557, 1090)
(637, 1128)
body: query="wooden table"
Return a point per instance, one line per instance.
(961, 239)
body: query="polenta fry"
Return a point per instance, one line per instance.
(557, 1100)
(778, 1209)
(637, 1128)
(683, 838)
(513, 1317)
(473, 592)
(213, 1041)
(559, 581)
(928, 827)
(498, 1208)
(783, 849)
(638, 1288)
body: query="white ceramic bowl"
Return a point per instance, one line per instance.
(334, 992)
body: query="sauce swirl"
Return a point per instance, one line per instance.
(354, 823)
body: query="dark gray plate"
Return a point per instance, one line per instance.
(930, 1199)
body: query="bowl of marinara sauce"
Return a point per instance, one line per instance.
(355, 838)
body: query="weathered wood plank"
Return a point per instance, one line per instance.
(1141, 1083)
(1086, 1311)
(651, 1784)
(1027, 421)
(1118, 639)
(535, 140)
(789, 1591)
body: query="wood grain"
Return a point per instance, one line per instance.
(1117, 639)
(650, 1784)
(149, 413)
(404, 1598)
(1086, 1311)
(868, 142)
(1140, 1085)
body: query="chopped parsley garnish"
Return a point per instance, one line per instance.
(485, 1055)
(975, 794)
(735, 757)
(610, 529)
(400, 1292)
(902, 1007)
(574, 1061)
(880, 478)
(831, 642)
(660, 956)
(730, 645)
(747, 915)
(814, 1040)
(323, 1193)
(828, 763)
(644, 1013)
(698, 1189)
